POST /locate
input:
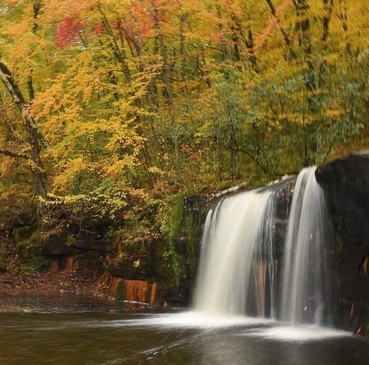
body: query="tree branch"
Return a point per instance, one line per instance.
(277, 13)
(13, 154)
(7, 78)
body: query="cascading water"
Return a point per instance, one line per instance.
(304, 260)
(238, 268)
(236, 263)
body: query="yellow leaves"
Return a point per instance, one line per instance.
(62, 8)
(300, 118)
(105, 202)
(117, 165)
(123, 102)
(334, 113)
(54, 199)
(23, 27)
(123, 141)
(7, 166)
(22, 45)
(155, 170)
(136, 193)
(67, 173)
(14, 194)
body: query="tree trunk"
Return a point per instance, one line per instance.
(183, 19)
(34, 136)
(303, 28)
(344, 20)
(168, 84)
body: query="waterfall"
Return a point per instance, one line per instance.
(239, 262)
(236, 263)
(303, 284)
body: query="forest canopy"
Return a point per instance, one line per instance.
(110, 110)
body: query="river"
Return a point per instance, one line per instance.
(69, 330)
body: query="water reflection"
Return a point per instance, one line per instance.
(113, 337)
(228, 347)
(56, 303)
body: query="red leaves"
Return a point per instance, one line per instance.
(136, 26)
(143, 17)
(67, 32)
(98, 29)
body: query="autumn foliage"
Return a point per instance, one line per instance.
(68, 32)
(124, 105)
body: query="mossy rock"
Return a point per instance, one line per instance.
(31, 247)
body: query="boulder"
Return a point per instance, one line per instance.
(346, 184)
(346, 174)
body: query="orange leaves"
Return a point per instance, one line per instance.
(142, 22)
(127, 87)
(60, 9)
(190, 151)
(272, 25)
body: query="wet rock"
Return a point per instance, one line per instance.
(349, 173)
(177, 296)
(346, 184)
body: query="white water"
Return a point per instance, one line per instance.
(236, 256)
(238, 268)
(304, 258)
(300, 334)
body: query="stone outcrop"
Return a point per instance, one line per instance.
(346, 183)
(135, 293)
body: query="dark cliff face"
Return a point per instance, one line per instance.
(346, 184)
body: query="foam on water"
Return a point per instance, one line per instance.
(300, 334)
(252, 327)
(198, 319)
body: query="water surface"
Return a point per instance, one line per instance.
(96, 333)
